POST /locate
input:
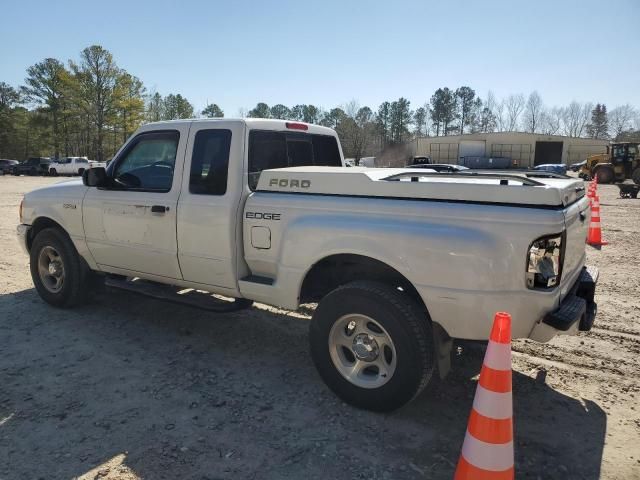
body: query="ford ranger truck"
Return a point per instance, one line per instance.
(399, 261)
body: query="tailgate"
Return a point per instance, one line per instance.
(576, 218)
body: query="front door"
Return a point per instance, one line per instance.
(132, 224)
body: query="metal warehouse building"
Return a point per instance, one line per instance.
(525, 149)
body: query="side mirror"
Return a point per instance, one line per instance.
(95, 177)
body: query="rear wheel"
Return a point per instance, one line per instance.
(605, 175)
(635, 176)
(372, 345)
(15, 172)
(58, 273)
(53, 172)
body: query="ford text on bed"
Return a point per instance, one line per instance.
(400, 261)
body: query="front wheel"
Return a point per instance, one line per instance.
(372, 345)
(53, 172)
(605, 175)
(58, 273)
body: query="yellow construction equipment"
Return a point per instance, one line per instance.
(622, 161)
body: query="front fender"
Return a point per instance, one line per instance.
(60, 203)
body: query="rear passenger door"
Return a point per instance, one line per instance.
(208, 225)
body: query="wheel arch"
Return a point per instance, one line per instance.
(40, 224)
(335, 270)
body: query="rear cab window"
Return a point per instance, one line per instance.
(273, 149)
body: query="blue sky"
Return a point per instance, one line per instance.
(329, 52)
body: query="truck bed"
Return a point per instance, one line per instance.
(476, 187)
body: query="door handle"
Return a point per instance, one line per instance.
(159, 209)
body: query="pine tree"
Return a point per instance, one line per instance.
(213, 111)
(599, 126)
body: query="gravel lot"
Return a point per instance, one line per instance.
(130, 387)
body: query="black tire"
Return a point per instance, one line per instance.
(14, 172)
(53, 172)
(76, 274)
(80, 171)
(408, 326)
(605, 174)
(635, 176)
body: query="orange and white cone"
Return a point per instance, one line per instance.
(487, 451)
(594, 234)
(592, 190)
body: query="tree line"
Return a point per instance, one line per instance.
(90, 106)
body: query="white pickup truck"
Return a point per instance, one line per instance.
(400, 261)
(72, 166)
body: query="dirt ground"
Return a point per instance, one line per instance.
(130, 387)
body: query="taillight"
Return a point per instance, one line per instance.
(544, 262)
(297, 126)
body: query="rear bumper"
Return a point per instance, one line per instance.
(576, 312)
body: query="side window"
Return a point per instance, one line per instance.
(210, 162)
(148, 163)
(266, 150)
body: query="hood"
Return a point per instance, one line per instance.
(72, 184)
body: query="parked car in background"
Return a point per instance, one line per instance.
(367, 162)
(421, 160)
(558, 168)
(69, 166)
(440, 167)
(32, 166)
(575, 167)
(6, 166)
(501, 163)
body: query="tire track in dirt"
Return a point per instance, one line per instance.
(588, 360)
(533, 361)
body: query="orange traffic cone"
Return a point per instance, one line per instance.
(594, 234)
(487, 451)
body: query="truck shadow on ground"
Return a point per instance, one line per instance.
(138, 387)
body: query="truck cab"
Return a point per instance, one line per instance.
(168, 205)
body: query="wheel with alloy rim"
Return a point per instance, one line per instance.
(51, 269)
(362, 351)
(58, 272)
(372, 345)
